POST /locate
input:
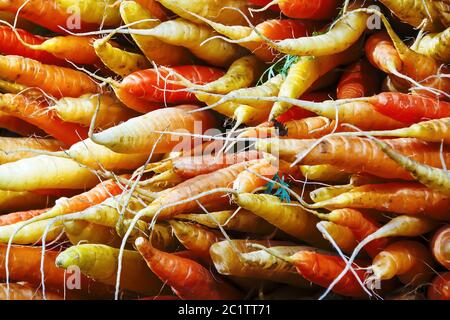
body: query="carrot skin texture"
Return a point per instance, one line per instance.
(15, 217)
(440, 246)
(321, 269)
(439, 288)
(359, 80)
(304, 9)
(297, 113)
(188, 279)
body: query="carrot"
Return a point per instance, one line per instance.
(138, 135)
(196, 238)
(414, 12)
(303, 73)
(95, 12)
(166, 206)
(24, 266)
(247, 181)
(180, 32)
(262, 3)
(212, 10)
(45, 172)
(339, 151)
(11, 201)
(188, 279)
(410, 108)
(46, 13)
(153, 48)
(25, 291)
(54, 80)
(99, 262)
(242, 221)
(155, 9)
(440, 246)
(298, 113)
(274, 29)
(410, 260)
(341, 235)
(440, 287)
(325, 173)
(10, 45)
(342, 35)
(34, 112)
(81, 110)
(434, 178)
(15, 217)
(321, 269)
(119, 61)
(288, 217)
(360, 225)
(388, 197)
(79, 231)
(359, 80)
(9, 147)
(309, 128)
(149, 86)
(13, 87)
(381, 53)
(435, 45)
(238, 258)
(18, 126)
(401, 226)
(301, 9)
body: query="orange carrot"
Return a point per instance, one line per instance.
(359, 80)
(440, 287)
(249, 180)
(440, 246)
(188, 279)
(305, 9)
(25, 291)
(36, 113)
(56, 81)
(14, 217)
(297, 113)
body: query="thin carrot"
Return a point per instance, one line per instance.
(297, 113)
(19, 126)
(36, 113)
(359, 80)
(188, 279)
(440, 287)
(410, 260)
(324, 173)
(54, 80)
(440, 246)
(9, 147)
(248, 181)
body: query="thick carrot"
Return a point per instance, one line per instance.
(19, 126)
(341, 235)
(423, 201)
(10, 45)
(56, 81)
(46, 13)
(10, 147)
(95, 12)
(155, 85)
(196, 238)
(25, 291)
(81, 110)
(435, 45)
(321, 269)
(153, 48)
(288, 217)
(155, 9)
(359, 80)
(410, 260)
(138, 135)
(99, 262)
(15, 217)
(440, 287)
(187, 278)
(79, 231)
(440, 246)
(11, 201)
(24, 266)
(36, 113)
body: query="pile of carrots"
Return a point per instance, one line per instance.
(234, 149)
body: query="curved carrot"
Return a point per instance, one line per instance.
(250, 180)
(188, 279)
(36, 113)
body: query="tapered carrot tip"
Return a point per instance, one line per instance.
(67, 258)
(144, 247)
